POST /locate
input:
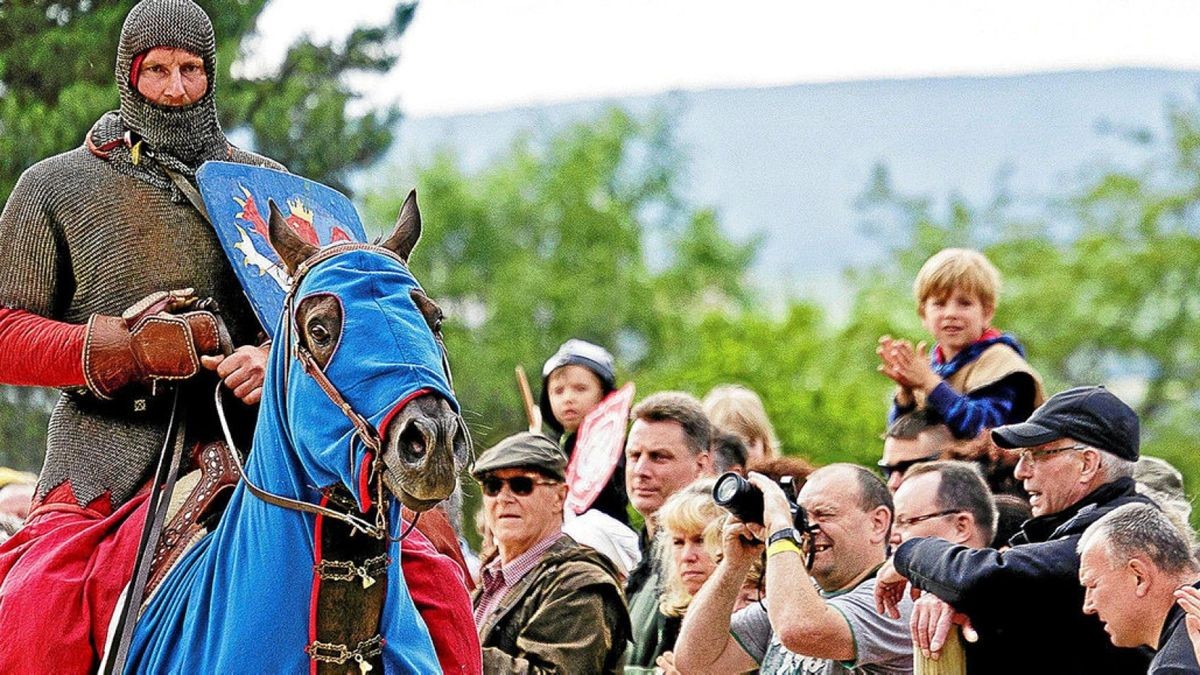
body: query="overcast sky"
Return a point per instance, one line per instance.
(477, 55)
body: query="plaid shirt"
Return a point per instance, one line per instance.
(497, 578)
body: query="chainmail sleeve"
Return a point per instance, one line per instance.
(34, 272)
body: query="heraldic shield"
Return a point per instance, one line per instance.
(236, 197)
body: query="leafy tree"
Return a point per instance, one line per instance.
(56, 78)
(1100, 287)
(578, 235)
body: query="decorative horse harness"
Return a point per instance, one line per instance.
(368, 560)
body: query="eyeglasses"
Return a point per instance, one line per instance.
(909, 522)
(521, 486)
(1031, 455)
(903, 466)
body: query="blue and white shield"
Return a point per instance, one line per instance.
(236, 198)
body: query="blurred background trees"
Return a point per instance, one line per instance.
(582, 232)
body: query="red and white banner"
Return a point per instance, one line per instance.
(598, 448)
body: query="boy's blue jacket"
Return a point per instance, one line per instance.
(1006, 399)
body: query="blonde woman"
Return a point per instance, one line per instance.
(689, 526)
(737, 410)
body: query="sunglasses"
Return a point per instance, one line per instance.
(903, 466)
(521, 486)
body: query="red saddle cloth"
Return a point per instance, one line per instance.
(60, 577)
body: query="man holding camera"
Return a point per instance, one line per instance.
(830, 627)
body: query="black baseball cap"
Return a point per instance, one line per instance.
(1091, 415)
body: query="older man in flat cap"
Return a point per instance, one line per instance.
(545, 603)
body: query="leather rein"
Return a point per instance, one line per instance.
(363, 429)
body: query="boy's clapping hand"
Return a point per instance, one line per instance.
(907, 366)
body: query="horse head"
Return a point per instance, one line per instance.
(376, 337)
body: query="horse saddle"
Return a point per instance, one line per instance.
(200, 497)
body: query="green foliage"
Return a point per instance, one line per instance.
(568, 236)
(553, 241)
(582, 234)
(24, 413)
(301, 115)
(1101, 290)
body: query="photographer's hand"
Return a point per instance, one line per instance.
(777, 513)
(741, 543)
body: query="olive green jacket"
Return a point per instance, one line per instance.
(567, 615)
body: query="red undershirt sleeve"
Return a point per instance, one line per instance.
(40, 352)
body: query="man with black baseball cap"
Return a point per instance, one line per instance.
(1077, 453)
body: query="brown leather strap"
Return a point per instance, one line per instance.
(364, 429)
(350, 519)
(160, 498)
(185, 186)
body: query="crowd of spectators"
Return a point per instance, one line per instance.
(1000, 532)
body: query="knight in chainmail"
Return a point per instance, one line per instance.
(93, 230)
(88, 233)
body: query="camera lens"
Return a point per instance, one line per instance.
(725, 488)
(738, 496)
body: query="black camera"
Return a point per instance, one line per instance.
(739, 497)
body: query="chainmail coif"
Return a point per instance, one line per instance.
(181, 137)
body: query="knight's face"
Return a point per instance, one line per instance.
(171, 77)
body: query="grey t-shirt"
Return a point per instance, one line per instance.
(883, 646)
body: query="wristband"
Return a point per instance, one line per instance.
(783, 546)
(788, 533)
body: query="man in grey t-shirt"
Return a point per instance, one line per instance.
(825, 616)
(883, 645)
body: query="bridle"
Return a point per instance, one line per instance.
(364, 431)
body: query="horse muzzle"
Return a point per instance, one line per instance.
(424, 447)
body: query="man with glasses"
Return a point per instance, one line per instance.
(913, 439)
(545, 603)
(1077, 454)
(945, 499)
(818, 616)
(951, 501)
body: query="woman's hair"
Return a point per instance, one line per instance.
(738, 410)
(686, 513)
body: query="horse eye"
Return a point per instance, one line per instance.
(320, 334)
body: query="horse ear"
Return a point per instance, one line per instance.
(404, 238)
(291, 248)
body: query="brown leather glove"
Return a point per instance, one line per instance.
(155, 339)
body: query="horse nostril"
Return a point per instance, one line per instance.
(413, 445)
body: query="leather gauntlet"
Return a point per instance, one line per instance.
(158, 338)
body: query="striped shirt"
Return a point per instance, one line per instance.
(496, 578)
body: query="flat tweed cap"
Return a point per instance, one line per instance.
(525, 450)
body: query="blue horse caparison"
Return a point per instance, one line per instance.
(239, 600)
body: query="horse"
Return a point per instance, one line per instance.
(358, 417)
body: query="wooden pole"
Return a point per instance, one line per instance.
(951, 660)
(532, 413)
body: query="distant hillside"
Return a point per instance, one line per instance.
(790, 161)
